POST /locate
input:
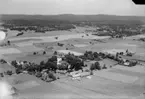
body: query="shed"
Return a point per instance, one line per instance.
(75, 72)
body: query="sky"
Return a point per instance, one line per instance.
(51, 7)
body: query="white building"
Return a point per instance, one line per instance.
(59, 59)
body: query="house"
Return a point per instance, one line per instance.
(126, 63)
(25, 72)
(76, 75)
(75, 72)
(76, 78)
(62, 71)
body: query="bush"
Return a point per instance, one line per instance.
(87, 70)
(56, 37)
(51, 65)
(38, 74)
(3, 61)
(52, 59)
(42, 63)
(97, 66)
(92, 67)
(104, 67)
(9, 73)
(18, 71)
(55, 53)
(51, 75)
(1, 75)
(75, 62)
(14, 63)
(8, 42)
(34, 53)
(44, 53)
(63, 67)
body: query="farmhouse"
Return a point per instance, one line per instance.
(75, 72)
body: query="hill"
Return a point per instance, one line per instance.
(78, 18)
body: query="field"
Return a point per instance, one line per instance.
(118, 82)
(105, 83)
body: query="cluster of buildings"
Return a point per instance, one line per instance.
(80, 74)
(73, 74)
(121, 60)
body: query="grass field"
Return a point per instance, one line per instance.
(117, 82)
(9, 50)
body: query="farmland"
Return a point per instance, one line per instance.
(34, 52)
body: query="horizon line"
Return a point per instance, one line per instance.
(75, 14)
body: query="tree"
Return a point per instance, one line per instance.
(18, 71)
(52, 59)
(51, 75)
(95, 54)
(127, 51)
(104, 67)
(56, 37)
(1, 75)
(34, 53)
(8, 42)
(3, 61)
(42, 63)
(51, 66)
(44, 53)
(117, 54)
(63, 66)
(75, 62)
(97, 66)
(55, 53)
(38, 74)
(9, 72)
(92, 67)
(14, 63)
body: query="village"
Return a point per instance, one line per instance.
(75, 65)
